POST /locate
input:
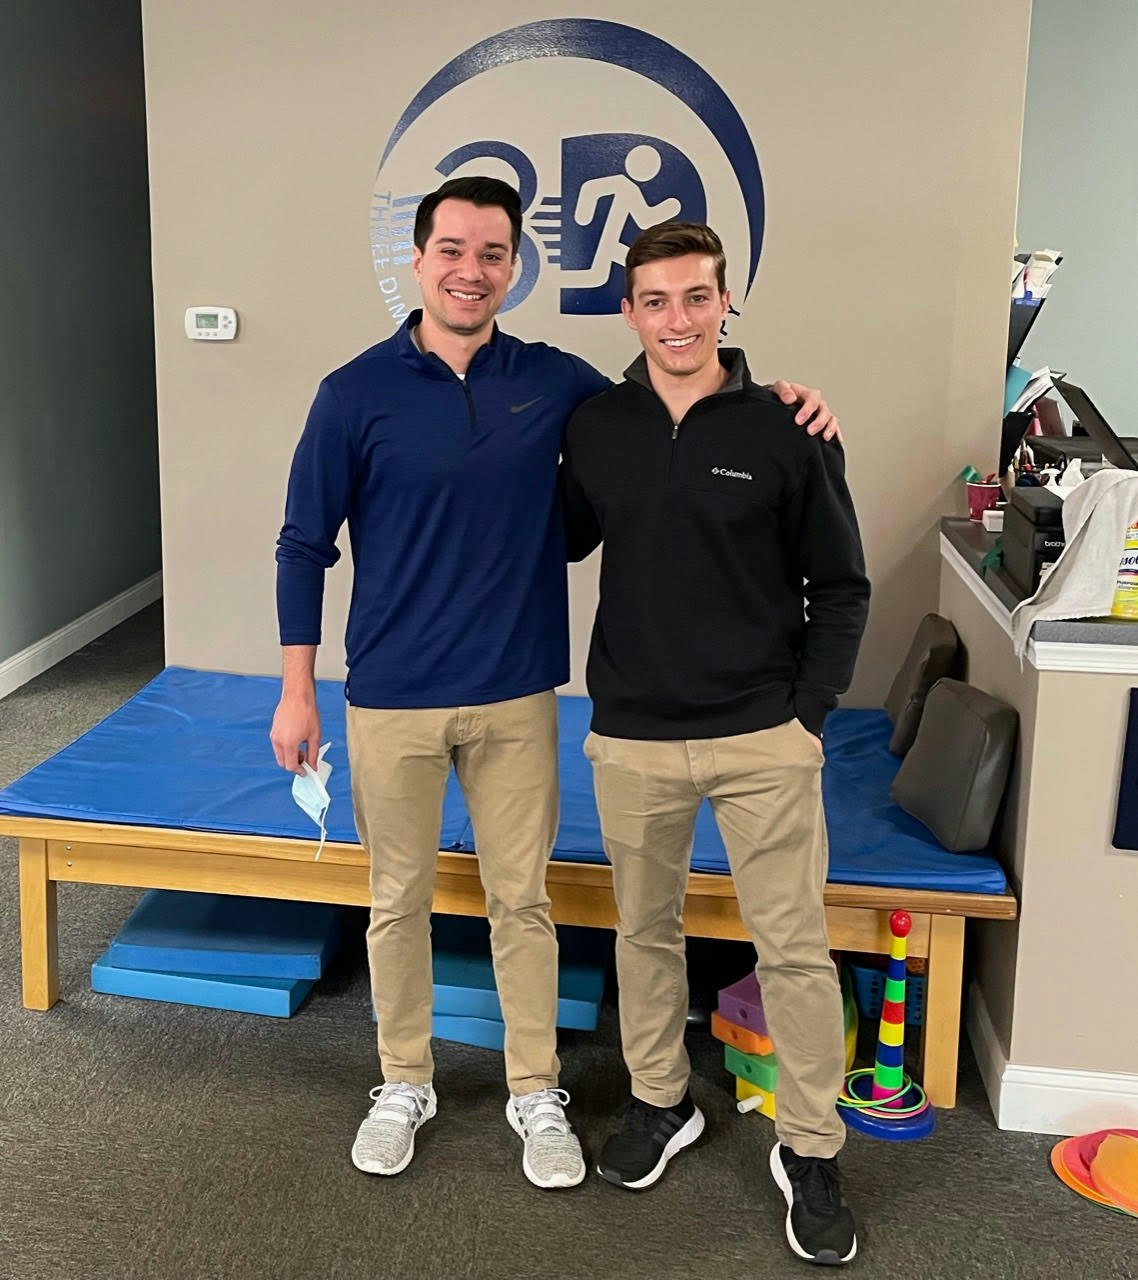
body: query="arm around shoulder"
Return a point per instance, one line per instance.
(836, 587)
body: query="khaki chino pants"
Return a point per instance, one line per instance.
(765, 791)
(505, 756)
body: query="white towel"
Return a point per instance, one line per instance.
(1096, 517)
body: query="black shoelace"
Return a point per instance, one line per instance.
(640, 1115)
(817, 1180)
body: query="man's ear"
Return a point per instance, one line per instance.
(626, 311)
(417, 262)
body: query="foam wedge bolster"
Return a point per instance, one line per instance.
(273, 997)
(486, 1033)
(212, 933)
(464, 973)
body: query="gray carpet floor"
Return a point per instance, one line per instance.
(145, 1139)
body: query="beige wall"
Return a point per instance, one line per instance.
(1058, 983)
(889, 140)
(1078, 952)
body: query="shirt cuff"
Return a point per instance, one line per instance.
(811, 711)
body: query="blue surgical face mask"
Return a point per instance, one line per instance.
(310, 791)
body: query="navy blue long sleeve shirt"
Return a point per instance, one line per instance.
(449, 490)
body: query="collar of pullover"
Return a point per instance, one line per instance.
(731, 358)
(426, 362)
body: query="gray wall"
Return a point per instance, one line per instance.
(1079, 193)
(78, 434)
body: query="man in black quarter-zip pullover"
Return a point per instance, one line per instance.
(732, 602)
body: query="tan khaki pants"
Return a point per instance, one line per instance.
(505, 755)
(765, 791)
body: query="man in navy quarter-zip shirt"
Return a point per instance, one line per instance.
(732, 602)
(439, 447)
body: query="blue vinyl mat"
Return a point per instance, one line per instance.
(212, 933)
(191, 750)
(486, 1033)
(463, 971)
(273, 997)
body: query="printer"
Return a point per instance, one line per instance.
(1033, 535)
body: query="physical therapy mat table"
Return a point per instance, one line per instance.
(177, 789)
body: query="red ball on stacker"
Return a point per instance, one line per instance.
(900, 922)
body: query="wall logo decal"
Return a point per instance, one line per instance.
(621, 130)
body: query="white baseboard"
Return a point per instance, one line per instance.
(45, 653)
(1047, 1099)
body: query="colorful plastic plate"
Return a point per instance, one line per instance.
(1071, 1160)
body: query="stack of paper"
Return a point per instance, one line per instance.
(1022, 389)
(1032, 277)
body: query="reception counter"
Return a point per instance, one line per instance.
(1052, 1007)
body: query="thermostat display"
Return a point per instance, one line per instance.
(217, 324)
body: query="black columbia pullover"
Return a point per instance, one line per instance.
(733, 591)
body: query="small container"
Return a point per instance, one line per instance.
(982, 496)
(1126, 583)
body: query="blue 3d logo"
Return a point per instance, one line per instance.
(585, 195)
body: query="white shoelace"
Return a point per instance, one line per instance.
(398, 1101)
(543, 1111)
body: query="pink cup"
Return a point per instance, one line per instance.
(981, 497)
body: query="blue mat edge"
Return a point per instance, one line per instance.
(202, 991)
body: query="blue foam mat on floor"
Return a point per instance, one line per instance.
(190, 750)
(210, 933)
(486, 1033)
(464, 973)
(273, 997)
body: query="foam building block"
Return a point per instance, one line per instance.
(216, 934)
(464, 973)
(744, 1089)
(274, 997)
(754, 1068)
(742, 1004)
(486, 1033)
(742, 1038)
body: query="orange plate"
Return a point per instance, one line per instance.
(1114, 1170)
(1071, 1160)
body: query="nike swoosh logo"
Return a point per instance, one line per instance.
(518, 408)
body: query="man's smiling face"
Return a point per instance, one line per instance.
(676, 309)
(464, 271)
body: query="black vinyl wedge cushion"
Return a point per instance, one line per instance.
(934, 653)
(954, 775)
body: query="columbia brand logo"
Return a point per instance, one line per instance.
(733, 475)
(518, 408)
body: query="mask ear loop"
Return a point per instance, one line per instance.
(323, 833)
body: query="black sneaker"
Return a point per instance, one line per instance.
(819, 1224)
(635, 1157)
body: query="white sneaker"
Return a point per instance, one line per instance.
(552, 1152)
(386, 1139)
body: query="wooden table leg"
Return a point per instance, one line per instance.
(39, 934)
(940, 1038)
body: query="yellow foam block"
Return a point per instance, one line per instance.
(745, 1089)
(1114, 1170)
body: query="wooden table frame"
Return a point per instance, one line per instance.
(54, 850)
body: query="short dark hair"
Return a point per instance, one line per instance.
(483, 192)
(675, 240)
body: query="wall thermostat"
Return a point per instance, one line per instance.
(216, 324)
